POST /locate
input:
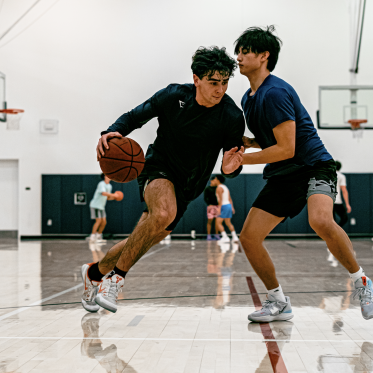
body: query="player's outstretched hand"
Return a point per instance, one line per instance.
(232, 160)
(102, 143)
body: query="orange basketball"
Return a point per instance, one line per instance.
(123, 161)
(118, 195)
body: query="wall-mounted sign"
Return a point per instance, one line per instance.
(80, 198)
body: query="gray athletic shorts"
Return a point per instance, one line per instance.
(97, 213)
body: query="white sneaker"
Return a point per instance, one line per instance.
(235, 239)
(224, 240)
(90, 290)
(107, 296)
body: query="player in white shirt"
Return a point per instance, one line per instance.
(340, 209)
(226, 209)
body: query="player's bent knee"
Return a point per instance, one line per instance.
(323, 227)
(162, 219)
(250, 241)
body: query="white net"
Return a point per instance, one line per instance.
(13, 121)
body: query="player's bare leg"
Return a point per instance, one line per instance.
(257, 226)
(320, 215)
(161, 201)
(151, 229)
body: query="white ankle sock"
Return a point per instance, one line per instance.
(276, 294)
(234, 235)
(357, 275)
(224, 234)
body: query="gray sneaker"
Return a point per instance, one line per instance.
(364, 291)
(273, 310)
(108, 291)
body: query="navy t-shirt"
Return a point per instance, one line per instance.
(276, 102)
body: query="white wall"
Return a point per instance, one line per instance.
(8, 195)
(86, 62)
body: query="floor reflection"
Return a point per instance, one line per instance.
(279, 331)
(220, 261)
(91, 346)
(357, 363)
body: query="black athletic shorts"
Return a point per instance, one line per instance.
(154, 171)
(286, 195)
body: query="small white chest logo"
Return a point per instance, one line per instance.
(181, 103)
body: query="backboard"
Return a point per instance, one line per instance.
(2, 97)
(339, 104)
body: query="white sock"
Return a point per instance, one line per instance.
(224, 234)
(357, 275)
(234, 235)
(99, 235)
(276, 294)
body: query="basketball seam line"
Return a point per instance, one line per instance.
(129, 140)
(113, 172)
(131, 160)
(121, 160)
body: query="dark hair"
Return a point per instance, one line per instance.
(258, 40)
(207, 61)
(221, 178)
(102, 176)
(338, 165)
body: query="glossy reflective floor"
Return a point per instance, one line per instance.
(184, 309)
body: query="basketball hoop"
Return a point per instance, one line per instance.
(13, 118)
(356, 127)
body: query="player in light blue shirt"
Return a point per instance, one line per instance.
(97, 205)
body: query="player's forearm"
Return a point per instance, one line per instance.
(134, 119)
(272, 154)
(345, 197)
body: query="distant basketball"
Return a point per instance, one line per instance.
(118, 195)
(123, 161)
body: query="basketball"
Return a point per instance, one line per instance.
(123, 161)
(118, 195)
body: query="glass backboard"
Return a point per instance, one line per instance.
(2, 96)
(339, 104)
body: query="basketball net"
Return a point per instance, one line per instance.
(13, 118)
(357, 127)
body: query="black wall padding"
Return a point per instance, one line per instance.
(67, 218)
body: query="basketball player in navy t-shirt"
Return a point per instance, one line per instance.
(299, 171)
(196, 121)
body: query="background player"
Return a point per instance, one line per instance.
(226, 209)
(209, 196)
(178, 163)
(299, 171)
(97, 206)
(340, 209)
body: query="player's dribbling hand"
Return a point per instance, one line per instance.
(102, 143)
(247, 142)
(232, 160)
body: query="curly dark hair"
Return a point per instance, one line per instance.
(258, 40)
(207, 61)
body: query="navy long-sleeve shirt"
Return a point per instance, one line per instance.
(189, 136)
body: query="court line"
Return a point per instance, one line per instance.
(188, 296)
(199, 339)
(274, 352)
(39, 302)
(167, 246)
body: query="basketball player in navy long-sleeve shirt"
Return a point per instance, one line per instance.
(196, 121)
